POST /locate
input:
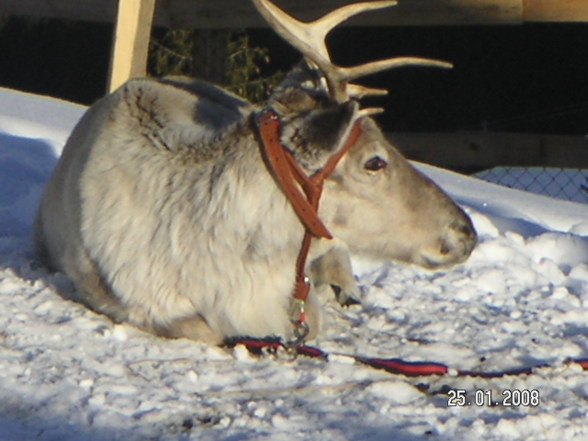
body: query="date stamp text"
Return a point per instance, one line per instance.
(490, 398)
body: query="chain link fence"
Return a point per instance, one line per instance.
(562, 183)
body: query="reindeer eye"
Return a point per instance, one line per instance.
(374, 164)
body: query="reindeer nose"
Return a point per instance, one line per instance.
(459, 240)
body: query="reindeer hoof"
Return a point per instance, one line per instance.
(346, 298)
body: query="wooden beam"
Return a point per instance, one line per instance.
(555, 10)
(131, 41)
(475, 151)
(230, 14)
(86, 10)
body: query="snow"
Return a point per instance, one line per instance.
(521, 299)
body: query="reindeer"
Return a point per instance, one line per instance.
(186, 211)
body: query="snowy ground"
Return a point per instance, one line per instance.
(521, 299)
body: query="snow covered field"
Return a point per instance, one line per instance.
(521, 299)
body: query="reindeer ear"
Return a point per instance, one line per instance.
(324, 129)
(316, 132)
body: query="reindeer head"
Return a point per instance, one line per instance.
(374, 200)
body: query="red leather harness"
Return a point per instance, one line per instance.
(291, 178)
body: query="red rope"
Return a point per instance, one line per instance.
(391, 365)
(408, 368)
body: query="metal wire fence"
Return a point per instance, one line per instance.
(562, 183)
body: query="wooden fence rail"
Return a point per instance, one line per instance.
(240, 13)
(474, 151)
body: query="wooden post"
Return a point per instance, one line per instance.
(556, 10)
(130, 41)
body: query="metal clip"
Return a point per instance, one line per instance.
(297, 312)
(301, 328)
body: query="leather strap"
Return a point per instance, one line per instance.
(287, 172)
(291, 178)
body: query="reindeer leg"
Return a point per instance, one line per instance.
(193, 328)
(334, 268)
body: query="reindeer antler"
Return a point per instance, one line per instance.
(309, 38)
